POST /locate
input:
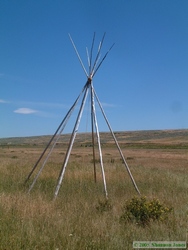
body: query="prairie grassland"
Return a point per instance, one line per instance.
(37, 221)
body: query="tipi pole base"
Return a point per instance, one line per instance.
(117, 144)
(60, 128)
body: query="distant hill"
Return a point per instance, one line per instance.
(129, 138)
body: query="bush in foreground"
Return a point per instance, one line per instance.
(143, 211)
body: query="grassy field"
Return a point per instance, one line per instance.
(157, 159)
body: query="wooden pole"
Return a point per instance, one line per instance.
(117, 144)
(56, 132)
(91, 53)
(78, 56)
(97, 56)
(99, 145)
(71, 142)
(93, 138)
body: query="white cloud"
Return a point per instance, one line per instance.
(46, 104)
(3, 101)
(25, 111)
(104, 104)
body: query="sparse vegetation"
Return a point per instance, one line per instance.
(80, 217)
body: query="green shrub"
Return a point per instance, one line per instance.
(142, 211)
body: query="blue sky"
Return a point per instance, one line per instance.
(142, 84)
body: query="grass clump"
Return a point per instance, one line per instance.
(142, 211)
(104, 206)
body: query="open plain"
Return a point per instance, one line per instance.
(158, 161)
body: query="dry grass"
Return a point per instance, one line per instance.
(36, 221)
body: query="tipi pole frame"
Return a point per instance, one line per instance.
(71, 142)
(93, 68)
(64, 121)
(117, 144)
